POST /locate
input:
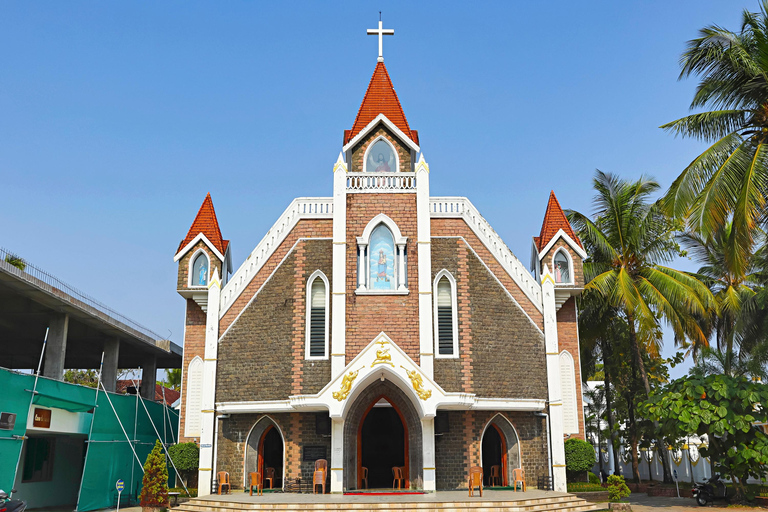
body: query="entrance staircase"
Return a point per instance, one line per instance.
(565, 502)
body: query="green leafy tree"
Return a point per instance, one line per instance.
(16, 261)
(729, 180)
(172, 379)
(724, 408)
(579, 457)
(154, 491)
(186, 458)
(617, 488)
(88, 378)
(629, 240)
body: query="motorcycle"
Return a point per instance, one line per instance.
(710, 491)
(9, 505)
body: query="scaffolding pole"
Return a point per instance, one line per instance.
(90, 432)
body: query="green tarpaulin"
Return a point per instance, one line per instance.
(13, 400)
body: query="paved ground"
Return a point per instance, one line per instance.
(645, 503)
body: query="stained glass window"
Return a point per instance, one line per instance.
(382, 259)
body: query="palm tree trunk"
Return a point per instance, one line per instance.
(609, 409)
(633, 438)
(638, 361)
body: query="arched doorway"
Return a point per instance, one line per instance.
(494, 450)
(265, 449)
(382, 444)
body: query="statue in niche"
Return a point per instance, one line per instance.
(203, 272)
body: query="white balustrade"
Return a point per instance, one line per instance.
(300, 208)
(378, 182)
(461, 207)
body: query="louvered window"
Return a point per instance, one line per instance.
(317, 314)
(444, 318)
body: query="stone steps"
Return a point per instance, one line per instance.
(566, 503)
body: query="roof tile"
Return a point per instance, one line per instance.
(554, 221)
(207, 224)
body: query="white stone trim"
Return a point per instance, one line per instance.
(462, 208)
(391, 146)
(189, 411)
(208, 421)
(192, 266)
(339, 276)
(381, 118)
(317, 274)
(569, 402)
(191, 244)
(570, 267)
(299, 209)
(455, 316)
(247, 440)
(519, 451)
(570, 241)
(424, 252)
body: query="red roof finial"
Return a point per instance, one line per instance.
(554, 221)
(207, 224)
(380, 98)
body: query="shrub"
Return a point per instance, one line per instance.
(579, 456)
(617, 488)
(584, 487)
(593, 478)
(16, 261)
(185, 456)
(154, 492)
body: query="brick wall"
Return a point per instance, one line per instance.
(358, 152)
(501, 353)
(368, 315)
(194, 345)
(460, 448)
(568, 339)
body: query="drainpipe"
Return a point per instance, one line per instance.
(549, 446)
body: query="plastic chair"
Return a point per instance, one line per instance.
(495, 476)
(399, 477)
(269, 474)
(318, 477)
(257, 483)
(475, 480)
(518, 475)
(365, 476)
(223, 479)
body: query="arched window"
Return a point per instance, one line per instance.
(446, 321)
(193, 412)
(568, 390)
(381, 157)
(562, 267)
(200, 269)
(317, 316)
(381, 258)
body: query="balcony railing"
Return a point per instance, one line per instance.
(378, 182)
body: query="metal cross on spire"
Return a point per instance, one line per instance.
(381, 32)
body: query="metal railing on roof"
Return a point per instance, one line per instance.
(69, 292)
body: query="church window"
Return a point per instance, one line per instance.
(381, 157)
(317, 316)
(562, 267)
(199, 275)
(381, 258)
(568, 390)
(446, 322)
(193, 413)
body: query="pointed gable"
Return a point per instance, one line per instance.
(207, 224)
(554, 221)
(380, 98)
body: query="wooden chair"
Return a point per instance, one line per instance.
(399, 477)
(495, 477)
(364, 478)
(223, 480)
(256, 482)
(269, 474)
(475, 479)
(518, 475)
(318, 477)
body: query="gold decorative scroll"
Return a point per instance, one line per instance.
(346, 386)
(418, 383)
(382, 355)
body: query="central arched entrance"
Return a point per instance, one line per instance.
(494, 449)
(382, 444)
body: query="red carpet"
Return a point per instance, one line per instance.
(394, 493)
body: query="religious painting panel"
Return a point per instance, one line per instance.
(382, 259)
(381, 158)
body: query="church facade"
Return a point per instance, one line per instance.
(381, 327)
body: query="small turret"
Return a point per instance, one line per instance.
(557, 250)
(202, 253)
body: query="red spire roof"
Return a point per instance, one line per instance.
(380, 98)
(207, 224)
(554, 221)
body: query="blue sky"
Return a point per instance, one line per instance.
(116, 118)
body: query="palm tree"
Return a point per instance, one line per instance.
(732, 286)
(729, 180)
(628, 240)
